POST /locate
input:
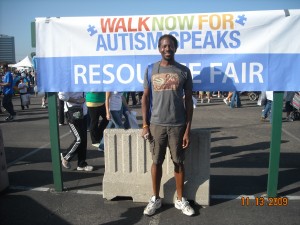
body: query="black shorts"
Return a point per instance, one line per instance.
(167, 136)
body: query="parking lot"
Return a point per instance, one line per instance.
(240, 146)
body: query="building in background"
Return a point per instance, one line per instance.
(7, 49)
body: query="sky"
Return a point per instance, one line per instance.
(17, 15)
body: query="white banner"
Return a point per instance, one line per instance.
(256, 50)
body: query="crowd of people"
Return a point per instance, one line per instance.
(264, 99)
(97, 111)
(11, 83)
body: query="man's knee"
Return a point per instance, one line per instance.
(156, 164)
(178, 167)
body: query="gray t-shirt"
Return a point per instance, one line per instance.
(168, 85)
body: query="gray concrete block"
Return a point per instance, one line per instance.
(128, 167)
(3, 169)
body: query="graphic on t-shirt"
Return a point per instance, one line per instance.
(165, 81)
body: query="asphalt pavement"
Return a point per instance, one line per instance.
(240, 147)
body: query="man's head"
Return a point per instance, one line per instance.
(167, 46)
(5, 67)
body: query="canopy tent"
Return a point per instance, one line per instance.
(26, 62)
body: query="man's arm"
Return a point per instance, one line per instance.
(145, 110)
(107, 106)
(5, 84)
(189, 115)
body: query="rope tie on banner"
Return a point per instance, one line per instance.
(287, 12)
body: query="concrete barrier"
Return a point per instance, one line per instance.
(3, 169)
(128, 168)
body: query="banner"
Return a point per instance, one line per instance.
(244, 51)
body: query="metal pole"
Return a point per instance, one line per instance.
(54, 140)
(275, 144)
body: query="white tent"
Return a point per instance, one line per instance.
(26, 62)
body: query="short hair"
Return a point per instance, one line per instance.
(5, 66)
(171, 37)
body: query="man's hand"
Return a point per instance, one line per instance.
(146, 132)
(186, 141)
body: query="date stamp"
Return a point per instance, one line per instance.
(261, 201)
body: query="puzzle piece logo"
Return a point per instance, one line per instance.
(92, 30)
(241, 20)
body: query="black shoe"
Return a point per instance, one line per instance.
(9, 118)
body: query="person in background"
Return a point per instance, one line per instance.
(61, 112)
(8, 92)
(22, 86)
(201, 96)
(114, 102)
(44, 100)
(170, 122)
(268, 107)
(95, 102)
(228, 99)
(218, 95)
(131, 94)
(125, 109)
(79, 130)
(235, 100)
(288, 106)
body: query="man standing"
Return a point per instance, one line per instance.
(171, 117)
(8, 93)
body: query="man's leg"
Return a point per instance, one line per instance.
(233, 99)
(104, 122)
(181, 203)
(158, 150)
(133, 98)
(155, 201)
(61, 113)
(179, 178)
(7, 104)
(22, 106)
(94, 113)
(156, 173)
(82, 148)
(178, 156)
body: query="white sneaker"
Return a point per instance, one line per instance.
(64, 162)
(201, 100)
(152, 206)
(225, 101)
(208, 100)
(184, 206)
(85, 168)
(96, 145)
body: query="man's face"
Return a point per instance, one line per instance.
(167, 49)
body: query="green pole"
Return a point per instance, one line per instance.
(53, 125)
(54, 140)
(275, 144)
(33, 38)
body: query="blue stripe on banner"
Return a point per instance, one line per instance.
(222, 72)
